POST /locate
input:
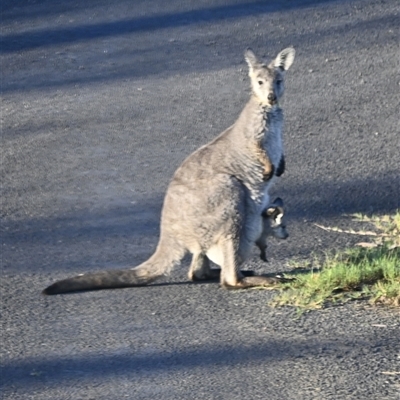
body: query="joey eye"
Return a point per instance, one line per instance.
(260, 82)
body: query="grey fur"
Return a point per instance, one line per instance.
(213, 205)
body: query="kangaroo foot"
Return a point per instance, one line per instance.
(258, 280)
(263, 256)
(215, 273)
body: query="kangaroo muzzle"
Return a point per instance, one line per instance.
(272, 98)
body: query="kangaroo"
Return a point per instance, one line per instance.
(213, 204)
(273, 225)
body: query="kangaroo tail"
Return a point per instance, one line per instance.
(160, 263)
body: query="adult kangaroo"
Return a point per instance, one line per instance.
(213, 204)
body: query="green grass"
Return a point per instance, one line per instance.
(370, 271)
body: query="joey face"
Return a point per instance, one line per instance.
(278, 226)
(267, 82)
(274, 221)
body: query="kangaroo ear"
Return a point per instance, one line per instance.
(278, 202)
(251, 59)
(284, 59)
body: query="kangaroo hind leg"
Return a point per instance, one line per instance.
(200, 269)
(233, 278)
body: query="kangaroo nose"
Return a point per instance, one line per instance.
(271, 97)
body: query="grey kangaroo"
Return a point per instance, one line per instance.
(273, 225)
(213, 204)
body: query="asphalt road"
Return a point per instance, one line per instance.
(101, 101)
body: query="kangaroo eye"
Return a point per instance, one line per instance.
(279, 81)
(260, 82)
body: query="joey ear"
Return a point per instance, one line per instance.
(251, 59)
(284, 59)
(278, 202)
(269, 211)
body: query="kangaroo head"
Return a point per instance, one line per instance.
(267, 81)
(274, 216)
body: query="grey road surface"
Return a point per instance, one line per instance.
(101, 101)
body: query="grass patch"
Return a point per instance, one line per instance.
(370, 271)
